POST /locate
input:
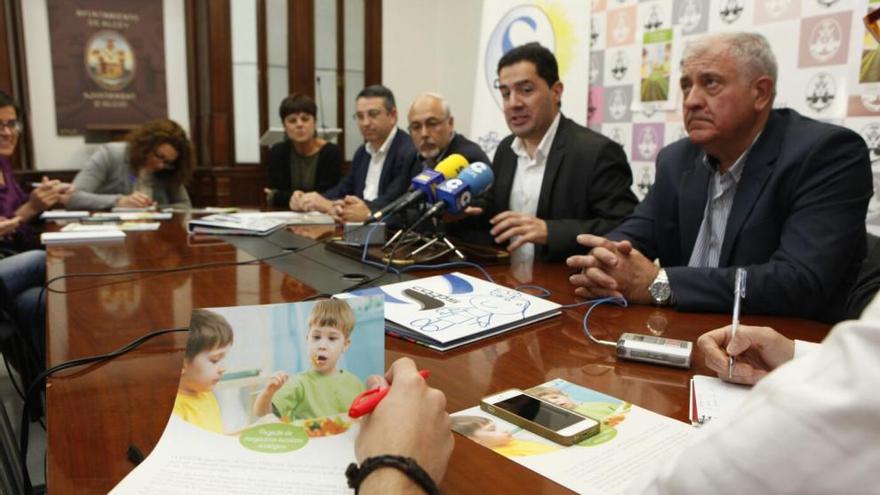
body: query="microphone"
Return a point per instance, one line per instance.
(423, 186)
(456, 194)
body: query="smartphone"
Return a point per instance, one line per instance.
(540, 417)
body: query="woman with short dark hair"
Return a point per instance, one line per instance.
(150, 168)
(302, 162)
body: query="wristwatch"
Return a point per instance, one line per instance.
(660, 290)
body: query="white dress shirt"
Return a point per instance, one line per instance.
(377, 160)
(811, 426)
(526, 188)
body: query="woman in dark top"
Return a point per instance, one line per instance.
(302, 162)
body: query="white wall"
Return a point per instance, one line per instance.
(430, 46)
(53, 152)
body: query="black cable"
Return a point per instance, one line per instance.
(23, 439)
(160, 271)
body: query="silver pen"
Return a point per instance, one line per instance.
(739, 293)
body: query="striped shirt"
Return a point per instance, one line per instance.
(720, 194)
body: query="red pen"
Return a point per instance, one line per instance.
(368, 400)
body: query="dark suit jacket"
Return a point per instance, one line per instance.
(797, 221)
(586, 187)
(394, 179)
(327, 173)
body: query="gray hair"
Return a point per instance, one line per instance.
(447, 110)
(751, 51)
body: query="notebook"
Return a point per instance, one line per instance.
(713, 398)
(234, 224)
(93, 236)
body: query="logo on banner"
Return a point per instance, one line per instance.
(776, 8)
(689, 15)
(617, 136)
(521, 25)
(821, 90)
(871, 134)
(109, 60)
(826, 3)
(594, 70)
(731, 10)
(648, 143)
(618, 104)
(594, 31)
(653, 21)
(645, 181)
(620, 66)
(621, 28)
(871, 102)
(825, 39)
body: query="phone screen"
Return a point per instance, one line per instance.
(547, 415)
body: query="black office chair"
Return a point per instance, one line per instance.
(868, 281)
(18, 348)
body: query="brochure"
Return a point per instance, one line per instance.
(631, 439)
(234, 224)
(447, 311)
(263, 399)
(291, 217)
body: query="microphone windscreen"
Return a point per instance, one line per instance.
(478, 176)
(451, 166)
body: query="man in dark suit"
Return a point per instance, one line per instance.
(380, 168)
(432, 128)
(779, 194)
(554, 178)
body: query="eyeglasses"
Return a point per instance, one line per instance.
(369, 114)
(166, 162)
(429, 125)
(10, 125)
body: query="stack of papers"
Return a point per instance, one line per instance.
(129, 216)
(235, 224)
(124, 226)
(291, 217)
(52, 238)
(447, 311)
(63, 214)
(713, 398)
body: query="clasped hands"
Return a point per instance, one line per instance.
(612, 269)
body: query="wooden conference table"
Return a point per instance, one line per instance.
(96, 413)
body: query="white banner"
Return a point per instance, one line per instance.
(562, 26)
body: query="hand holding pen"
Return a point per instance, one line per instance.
(739, 293)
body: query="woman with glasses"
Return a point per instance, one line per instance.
(303, 162)
(16, 205)
(149, 169)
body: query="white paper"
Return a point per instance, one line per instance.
(714, 398)
(101, 226)
(189, 460)
(63, 214)
(632, 440)
(75, 237)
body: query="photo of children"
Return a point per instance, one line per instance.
(486, 432)
(301, 364)
(210, 338)
(324, 390)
